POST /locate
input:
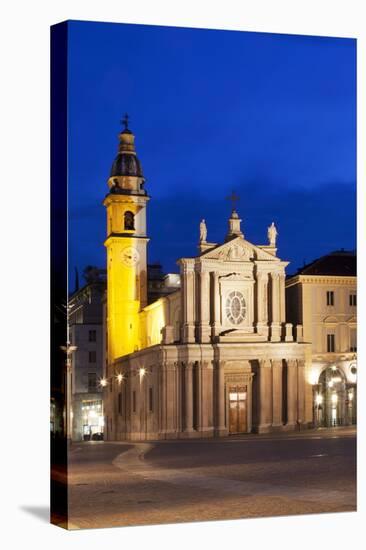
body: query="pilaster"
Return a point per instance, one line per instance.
(204, 330)
(221, 429)
(275, 325)
(188, 382)
(291, 393)
(216, 328)
(300, 391)
(262, 303)
(265, 395)
(277, 393)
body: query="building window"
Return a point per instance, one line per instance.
(92, 356)
(352, 300)
(92, 382)
(330, 298)
(129, 220)
(134, 401)
(330, 343)
(353, 340)
(150, 399)
(92, 335)
(120, 403)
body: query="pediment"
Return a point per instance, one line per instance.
(352, 319)
(330, 319)
(238, 250)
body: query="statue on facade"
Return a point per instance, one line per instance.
(272, 234)
(203, 231)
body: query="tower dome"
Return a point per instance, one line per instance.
(126, 162)
(126, 174)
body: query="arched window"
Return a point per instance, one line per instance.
(129, 220)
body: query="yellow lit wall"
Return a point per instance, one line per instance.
(123, 302)
(153, 319)
(130, 327)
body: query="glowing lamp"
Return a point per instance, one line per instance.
(103, 382)
(318, 399)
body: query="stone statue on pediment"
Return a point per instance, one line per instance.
(203, 231)
(272, 234)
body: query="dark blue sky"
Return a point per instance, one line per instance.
(271, 116)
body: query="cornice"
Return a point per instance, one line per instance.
(321, 279)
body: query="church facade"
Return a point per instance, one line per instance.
(215, 357)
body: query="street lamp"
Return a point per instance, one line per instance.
(69, 350)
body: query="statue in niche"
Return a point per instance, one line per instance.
(203, 231)
(272, 234)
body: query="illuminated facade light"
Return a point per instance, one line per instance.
(313, 377)
(142, 373)
(334, 398)
(119, 378)
(103, 382)
(318, 399)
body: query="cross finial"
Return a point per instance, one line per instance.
(125, 121)
(233, 198)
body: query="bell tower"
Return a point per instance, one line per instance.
(126, 244)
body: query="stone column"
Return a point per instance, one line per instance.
(265, 395)
(262, 303)
(204, 325)
(188, 297)
(277, 393)
(275, 325)
(217, 306)
(300, 391)
(188, 380)
(291, 393)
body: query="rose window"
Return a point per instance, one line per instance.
(235, 307)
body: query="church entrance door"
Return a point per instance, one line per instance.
(238, 409)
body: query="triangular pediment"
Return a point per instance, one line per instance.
(238, 249)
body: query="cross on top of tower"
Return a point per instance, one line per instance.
(233, 198)
(125, 121)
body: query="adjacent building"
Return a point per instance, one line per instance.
(322, 297)
(86, 338)
(217, 355)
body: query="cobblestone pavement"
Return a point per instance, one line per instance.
(115, 484)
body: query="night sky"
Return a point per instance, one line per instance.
(272, 117)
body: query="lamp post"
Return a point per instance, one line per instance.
(69, 350)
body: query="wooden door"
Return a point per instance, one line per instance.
(238, 409)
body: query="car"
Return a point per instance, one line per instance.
(97, 436)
